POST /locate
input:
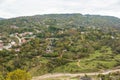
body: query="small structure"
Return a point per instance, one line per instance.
(13, 42)
(23, 40)
(17, 50)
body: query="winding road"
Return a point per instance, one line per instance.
(73, 75)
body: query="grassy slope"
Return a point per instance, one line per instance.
(95, 62)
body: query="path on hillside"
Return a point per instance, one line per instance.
(20, 42)
(73, 75)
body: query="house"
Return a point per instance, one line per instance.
(13, 42)
(17, 50)
(23, 40)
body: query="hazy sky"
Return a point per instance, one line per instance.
(15, 8)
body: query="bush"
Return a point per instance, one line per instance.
(1, 77)
(18, 75)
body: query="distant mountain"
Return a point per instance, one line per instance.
(1, 18)
(61, 21)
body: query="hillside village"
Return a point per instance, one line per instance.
(20, 38)
(17, 39)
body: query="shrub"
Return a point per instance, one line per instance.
(18, 75)
(1, 77)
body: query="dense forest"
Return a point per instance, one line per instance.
(62, 43)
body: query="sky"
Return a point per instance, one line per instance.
(16, 8)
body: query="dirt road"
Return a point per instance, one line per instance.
(73, 75)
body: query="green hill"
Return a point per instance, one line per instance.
(62, 43)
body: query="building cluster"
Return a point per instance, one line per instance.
(15, 40)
